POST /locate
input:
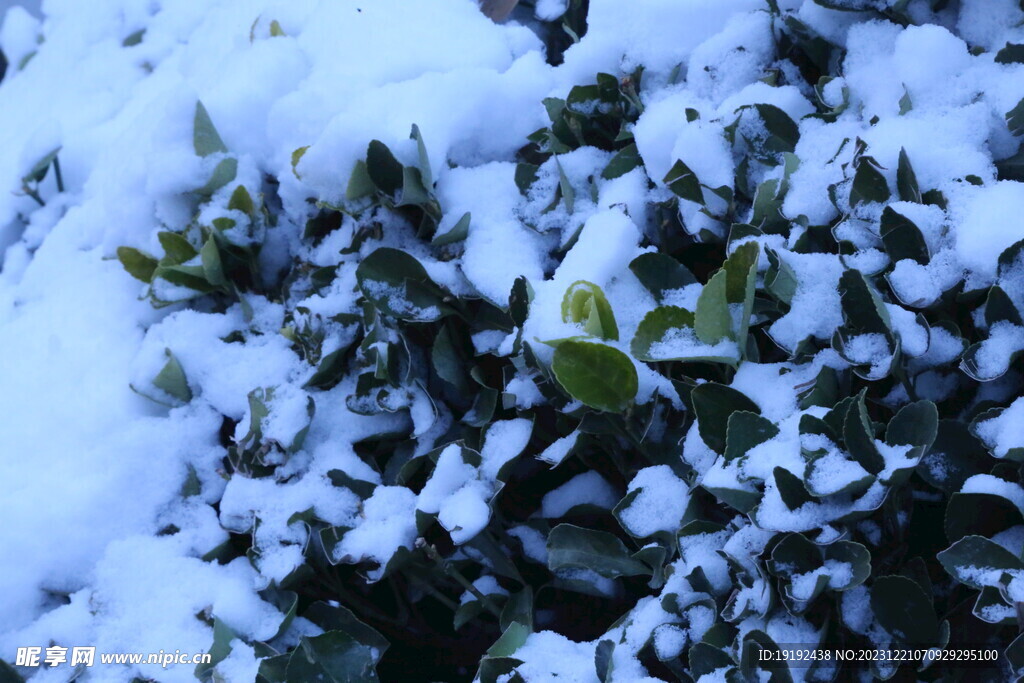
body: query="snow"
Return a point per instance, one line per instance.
(388, 523)
(605, 247)
(992, 485)
(682, 342)
(659, 505)
(1004, 432)
(589, 488)
(839, 575)
(95, 469)
(988, 225)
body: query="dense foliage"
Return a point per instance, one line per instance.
(661, 466)
(865, 536)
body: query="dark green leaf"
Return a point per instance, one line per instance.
(683, 183)
(383, 168)
(746, 430)
(859, 437)
(660, 273)
(906, 180)
(979, 514)
(1015, 118)
(783, 132)
(333, 657)
(791, 488)
(903, 609)
(573, 547)
(399, 286)
(972, 552)
(902, 239)
(714, 404)
(869, 185)
(624, 161)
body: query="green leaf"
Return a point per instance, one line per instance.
(604, 663)
(783, 133)
(518, 609)
(713, 404)
(955, 456)
(780, 279)
(385, 171)
(863, 309)
(360, 184)
(741, 280)
(424, 160)
(744, 431)
(213, 269)
(853, 554)
(597, 375)
(205, 138)
(584, 302)
(758, 648)
(906, 180)
(526, 174)
(134, 38)
(457, 233)
(399, 286)
(39, 169)
(511, 640)
(660, 273)
(276, 30)
(971, 552)
(979, 514)
(297, 157)
(1015, 118)
(917, 425)
(869, 185)
(903, 609)
(171, 379)
(858, 435)
(902, 239)
(333, 657)
(624, 161)
(1011, 168)
(683, 183)
(791, 488)
(177, 249)
(712, 321)
(999, 307)
(139, 265)
(573, 547)
(223, 173)
(219, 650)
(906, 104)
(653, 328)
(241, 200)
(192, 277)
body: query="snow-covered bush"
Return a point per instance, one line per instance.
(619, 342)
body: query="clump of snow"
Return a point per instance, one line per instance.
(1005, 432)
(589, 488)
(660, 503)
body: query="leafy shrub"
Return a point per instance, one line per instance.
(753, 433)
